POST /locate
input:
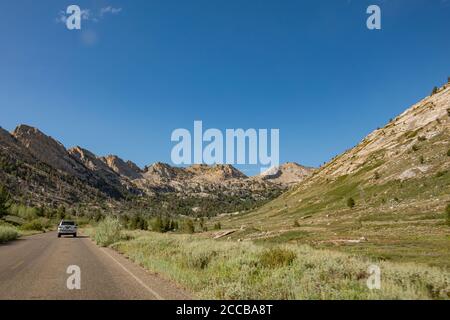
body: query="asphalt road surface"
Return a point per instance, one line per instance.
(35, 267)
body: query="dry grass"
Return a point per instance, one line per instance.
(107, 232)
(243, 270)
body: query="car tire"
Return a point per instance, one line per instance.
(59, 235)
(74, 235)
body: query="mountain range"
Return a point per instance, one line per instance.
(39, 170)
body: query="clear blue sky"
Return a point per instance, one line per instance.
(310, 68)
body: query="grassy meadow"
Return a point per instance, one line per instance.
(221, 269)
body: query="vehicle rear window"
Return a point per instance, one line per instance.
(67, 223)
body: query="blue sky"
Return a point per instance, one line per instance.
(124, 82)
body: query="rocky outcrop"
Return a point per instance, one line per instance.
(217, 173)
(287, 174)
(134, 167)
(121, 167)
(396, 145)
(162, 172)
(10, 145)
(48, 150)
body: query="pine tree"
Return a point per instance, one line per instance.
(351, 202)
(5, 201)
(435, 90)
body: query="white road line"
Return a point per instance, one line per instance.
(135, 277)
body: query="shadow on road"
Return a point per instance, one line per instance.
(78, 237)
(10, 243)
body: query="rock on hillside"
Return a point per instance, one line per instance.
(216, 173)
(163, 172)
(12, 147)
(48, 150)
(393, 147)
(121, 167)
(287, 174)
(29, 177)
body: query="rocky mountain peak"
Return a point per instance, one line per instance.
(89, 159)
(121, 167)
(216, 173)
(11, 146)
(47, 149)
(228, 171)
(134, 166)
(160, 171)
(81, 153)
(6, 138)
(287, 174)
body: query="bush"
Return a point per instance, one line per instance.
(137, 222)
(4, 201)
(189, 226)
(422, 160)
(435, 90)
(441, 173)
(448, 153)
(157, 224)
(199, 259)
(8, 234)
(217, 226)
(351, 203)
(296, 224)
(61, 213)
(24, 212)
(107, 232)
(163, 225)
(35, 225)
(97, 216)
(277, 257)
(447, 214)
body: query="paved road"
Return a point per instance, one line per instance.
(35, 267)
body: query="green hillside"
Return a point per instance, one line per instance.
(384, 198)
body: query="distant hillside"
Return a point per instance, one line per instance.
(398, 179)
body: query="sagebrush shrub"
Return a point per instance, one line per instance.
(7, 234)
(107, 232)
(277, 257)
(35, 225)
